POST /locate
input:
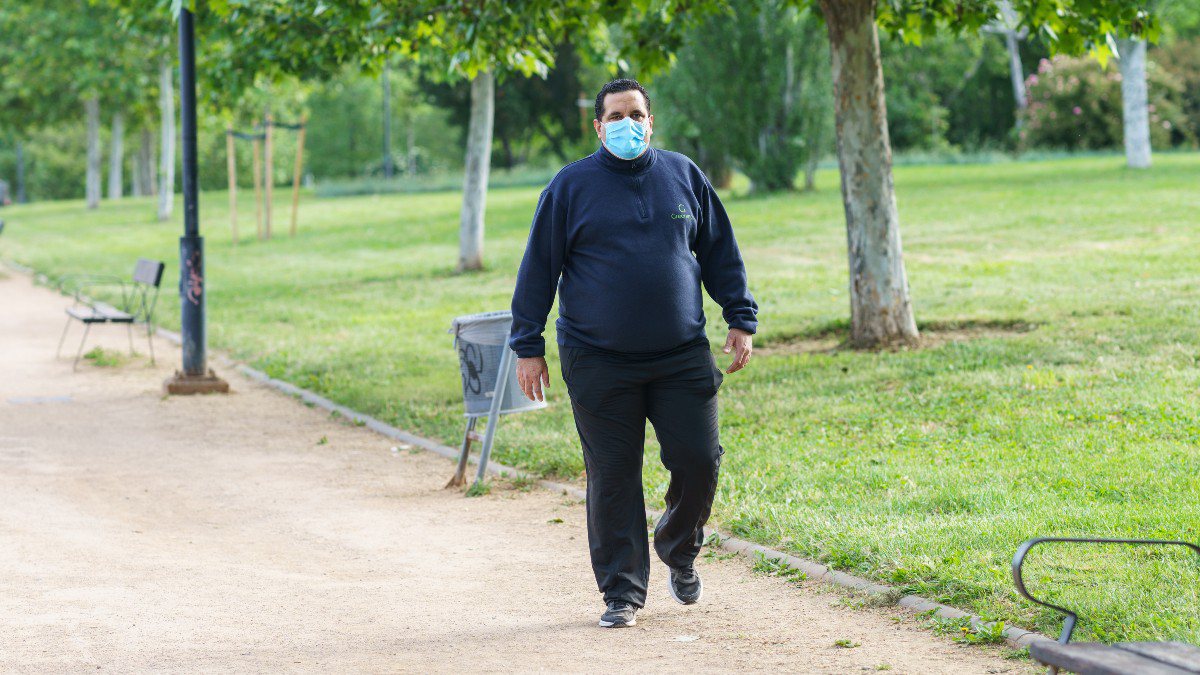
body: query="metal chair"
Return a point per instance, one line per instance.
(139, 297)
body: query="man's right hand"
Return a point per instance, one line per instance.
(534, 377)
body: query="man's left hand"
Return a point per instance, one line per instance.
(739, 342)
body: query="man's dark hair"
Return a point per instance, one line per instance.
(623, 84)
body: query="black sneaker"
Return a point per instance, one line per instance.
(684, 584)
(619, 615)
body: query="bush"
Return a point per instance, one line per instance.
(1075, 104)
(55, 161)
(769, 124)
(912, 76)
(1182, 60)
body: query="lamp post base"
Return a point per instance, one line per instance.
(182, 384)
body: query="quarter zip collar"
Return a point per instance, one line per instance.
(625, 167)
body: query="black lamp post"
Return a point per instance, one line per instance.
(196, 377)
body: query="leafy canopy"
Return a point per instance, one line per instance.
(245, 39)
(1067, 26)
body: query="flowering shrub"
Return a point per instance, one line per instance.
(1075, 104)
(1182, 59)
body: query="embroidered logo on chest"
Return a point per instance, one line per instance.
(683, 214)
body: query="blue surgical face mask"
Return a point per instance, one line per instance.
(625, 138)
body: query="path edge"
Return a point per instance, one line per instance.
(1014, 636)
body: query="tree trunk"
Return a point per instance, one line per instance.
(1016, 72)
(166, 157)
(388, 166)
(555, 140)
(479, 154)
(1134, 103)
(509, 158)
(411, 151)
(268, 173)
(790, 81)
(722, 179)
(21, 199)
(135, 182)
(116, 157)
(143, 179)
(92, 108)
(880, 307)
(810, 170)
(151, 174)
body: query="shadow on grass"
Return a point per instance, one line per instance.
(834, 336)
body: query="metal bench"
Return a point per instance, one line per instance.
(138, 300)
(1093, 658)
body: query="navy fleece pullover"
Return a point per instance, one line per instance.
(631, 241)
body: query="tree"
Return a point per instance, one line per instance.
(415, 110)
(1007, 25)
(1132, 59)
(55, 69)
(166, 142)
(18, 101)
(148, 84)
(477, 165)
(144, 182)
(880, 305)
(479, 160)
(148, 39)
(529, 111)
(92, 108)
(385, 79)
(881, 309)
(486, 41)
(1131, 52)
(60, 58)
(476, 41)
(770, 123)
(116, 156)
(463, 38)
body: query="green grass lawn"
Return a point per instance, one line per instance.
(1066, 404)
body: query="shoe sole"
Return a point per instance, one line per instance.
(671, 590)
(617, 624)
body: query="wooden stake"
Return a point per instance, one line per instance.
(258, 210)
(299, 168)
(269, 184)
(231, 163)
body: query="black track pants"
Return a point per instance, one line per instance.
(612, 396)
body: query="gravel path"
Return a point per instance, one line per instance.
(248, 532)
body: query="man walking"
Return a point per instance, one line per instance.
(633, 232)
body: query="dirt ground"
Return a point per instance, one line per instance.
(248, 532)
